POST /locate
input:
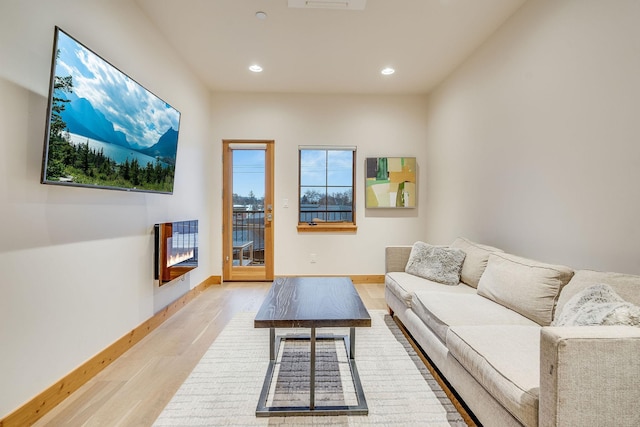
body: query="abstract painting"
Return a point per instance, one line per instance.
(390, 182)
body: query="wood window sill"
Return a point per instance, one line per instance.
(327, 227)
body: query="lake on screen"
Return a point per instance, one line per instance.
(114, 152)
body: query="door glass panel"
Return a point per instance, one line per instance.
(248, 207)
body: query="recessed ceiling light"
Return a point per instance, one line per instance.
(261, 15)
(388, 71)
(256, 68)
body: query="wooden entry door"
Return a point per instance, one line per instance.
(248, 210)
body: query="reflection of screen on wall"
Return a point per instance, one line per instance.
(103, 129)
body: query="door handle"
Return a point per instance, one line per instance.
(269, 217)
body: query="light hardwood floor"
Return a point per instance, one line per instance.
(134, 389)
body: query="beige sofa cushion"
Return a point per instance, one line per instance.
(403, 285)
(529, 287)
(440, 310)
(476, 260)
(505, 360)
(625, 285)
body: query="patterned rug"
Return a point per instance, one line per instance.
(224, 387)
(334, 384)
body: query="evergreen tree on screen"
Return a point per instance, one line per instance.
(58, 104)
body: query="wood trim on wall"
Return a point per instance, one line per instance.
(37, 407)
(368, 278)
(327, 227)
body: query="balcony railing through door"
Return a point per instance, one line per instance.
(248, 237)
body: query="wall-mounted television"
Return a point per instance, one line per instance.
(104, 130)
(176, 249)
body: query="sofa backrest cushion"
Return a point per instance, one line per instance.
(438, 263)
(625, 285)
(476, 260)
(528, 287)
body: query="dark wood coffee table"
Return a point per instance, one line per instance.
(312, 302)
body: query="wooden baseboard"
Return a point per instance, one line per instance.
(37, 407)
(367, 278)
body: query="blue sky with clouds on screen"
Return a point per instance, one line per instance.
(133, 110)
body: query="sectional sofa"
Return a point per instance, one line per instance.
(487, 328)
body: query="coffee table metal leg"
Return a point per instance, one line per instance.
(352, 343)
(312, 371)
(262, 410)
(272, 344)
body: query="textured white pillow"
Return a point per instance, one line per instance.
(627, 286)
(597, 305)
(437, 263)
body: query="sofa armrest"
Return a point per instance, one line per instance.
(589, 375)
(396, 257)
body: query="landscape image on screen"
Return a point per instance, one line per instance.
(104, 129)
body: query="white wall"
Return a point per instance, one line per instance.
(77, 263)
(377, 125)
(534, 143)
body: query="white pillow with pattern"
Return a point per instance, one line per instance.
(597, 305)
(440, 264)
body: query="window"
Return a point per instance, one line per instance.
(326, 188)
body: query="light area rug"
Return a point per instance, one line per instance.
(290, 385)
(224, 387)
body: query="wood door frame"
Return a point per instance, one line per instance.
(246, 273)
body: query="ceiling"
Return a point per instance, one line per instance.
(321, 50)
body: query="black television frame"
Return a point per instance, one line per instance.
(161, 177)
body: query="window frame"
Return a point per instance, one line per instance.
(328, 226)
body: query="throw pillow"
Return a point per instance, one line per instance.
(627, 286)
(598, 305)
(475, 260)
(523, 285)
(437, 263)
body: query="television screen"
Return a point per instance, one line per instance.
(103, 129)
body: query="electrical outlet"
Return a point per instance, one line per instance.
(313, 258)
